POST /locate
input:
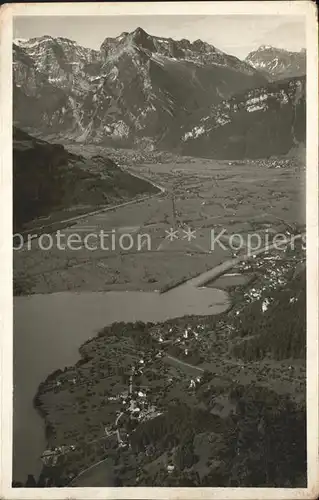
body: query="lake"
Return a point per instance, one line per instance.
(49, 329)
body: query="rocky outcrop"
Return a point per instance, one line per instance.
(258, 123)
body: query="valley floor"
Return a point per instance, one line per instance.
(205, 196)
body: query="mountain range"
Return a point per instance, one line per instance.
(278, 63)
(138, 90)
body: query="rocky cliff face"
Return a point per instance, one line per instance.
(49, 76)
(278, 63)
(130, 91)
(58, 61)
(257, 123)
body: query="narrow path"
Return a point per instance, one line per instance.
(96, 464)
(119, 440)
(183, 363)
(130, 390)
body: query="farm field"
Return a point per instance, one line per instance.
(205, 196)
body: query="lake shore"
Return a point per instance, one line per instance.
(43, 313)
(214, 360)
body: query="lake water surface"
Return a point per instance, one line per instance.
(49, 329)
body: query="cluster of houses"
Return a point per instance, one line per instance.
(183, 337)
(50, 457)
(275, 273)
(137, 405)
(194, 382)
(134, 402)
(275, 162)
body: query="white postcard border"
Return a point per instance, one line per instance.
(298, 8)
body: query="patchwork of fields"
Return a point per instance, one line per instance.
(205, 196)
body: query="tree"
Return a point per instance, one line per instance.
(30, 482)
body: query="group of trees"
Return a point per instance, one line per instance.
(49, 477)
(267, 441)
(281, 330)
(261, 444)
(176, 427)
(185, 456)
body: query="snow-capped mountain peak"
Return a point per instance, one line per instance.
(277, 62)
(133, 88)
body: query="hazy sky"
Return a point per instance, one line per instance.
(234, 34)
